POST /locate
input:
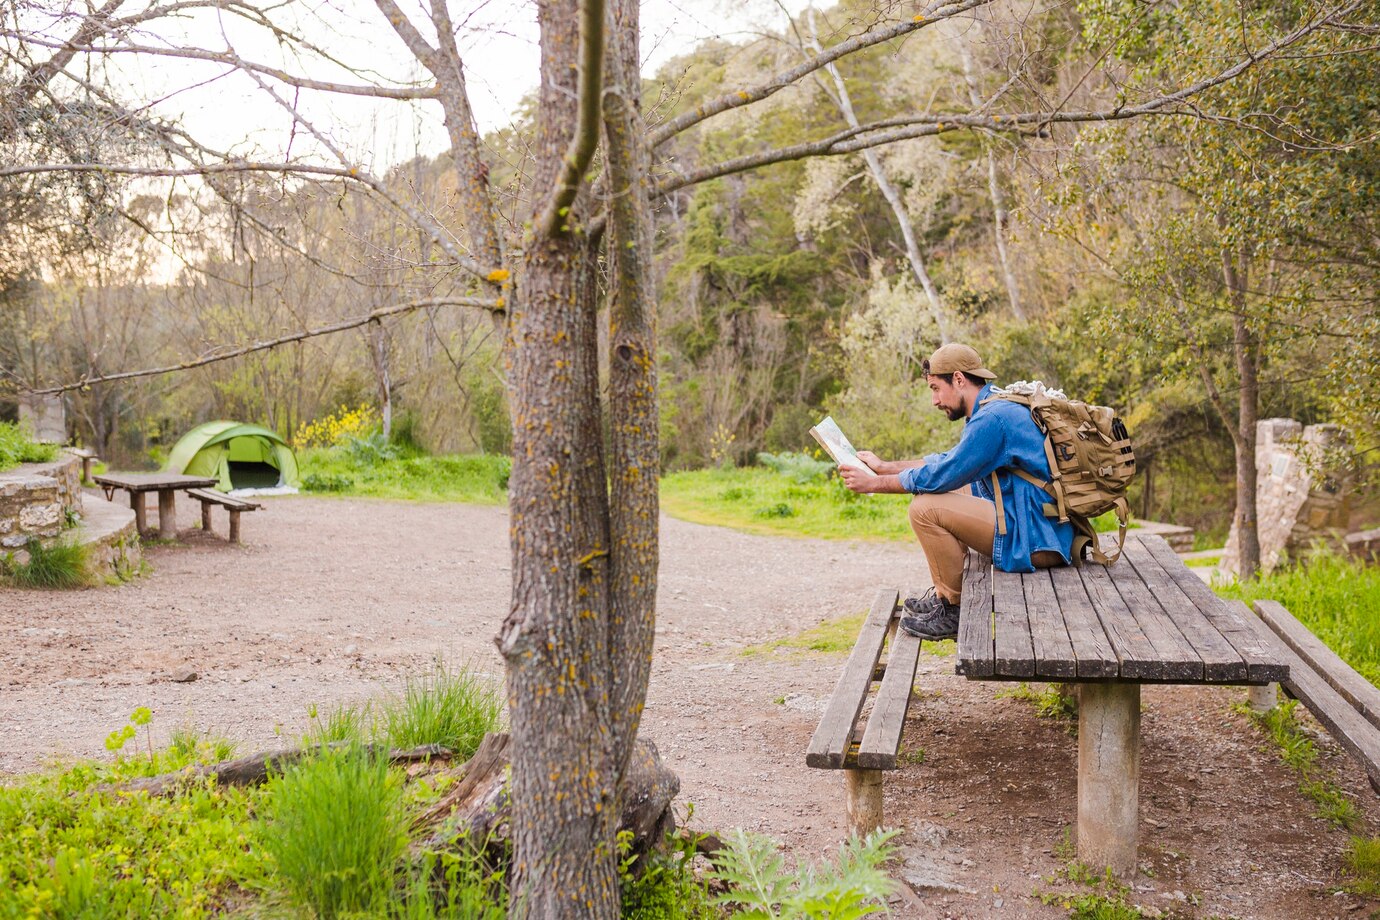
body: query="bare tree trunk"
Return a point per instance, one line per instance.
(1244, 347)
(566, 757)
(378, 351)
(999, 213)
(634, 448)
(898, 207)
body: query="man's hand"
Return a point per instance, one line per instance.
(858, 480)
(874, 462)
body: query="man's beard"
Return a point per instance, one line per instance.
(954, 414)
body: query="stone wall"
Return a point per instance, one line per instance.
(1298, 501)
(35, 499)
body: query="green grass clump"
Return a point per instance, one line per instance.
(761, 500)
(378, 469)
(1362, 860)
(828, 637)
(1053, 702)
(1104, 898)
(1333, 596)
(1296, 749)
(17, 447)
(452, 707)
(60, 566)
(335, 831)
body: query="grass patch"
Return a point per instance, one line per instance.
(792, 502)
(363, 467)
(1335, 597)
(17, 447)
(62, 565)
(451, 707)
(334, 828)
(1362, 862)
(1050, 703)
(1280, 724)
(1102, 897)
(829, 637)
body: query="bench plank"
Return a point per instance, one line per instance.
(1351, 729)
(1221, 662)
(832, 739)
(976, 649)
(882, 738)
(1242, 632)
(1015, 651)
(1048, 635)
(1360, 693)
(1096, 658)
(211, 496)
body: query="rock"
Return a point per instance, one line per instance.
(184, 676)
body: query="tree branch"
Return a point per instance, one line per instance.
(877, 36)
(586, 136)
(906, 127)
(223, 354)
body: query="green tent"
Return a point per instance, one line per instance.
(240, 456)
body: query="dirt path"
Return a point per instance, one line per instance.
(332, 600)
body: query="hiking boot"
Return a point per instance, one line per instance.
(942, 624)
(922, 607)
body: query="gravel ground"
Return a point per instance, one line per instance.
(334, 600)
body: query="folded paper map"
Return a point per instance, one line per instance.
(832, 439)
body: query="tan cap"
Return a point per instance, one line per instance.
(951, 358)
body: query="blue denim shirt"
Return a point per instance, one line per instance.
(998, 436)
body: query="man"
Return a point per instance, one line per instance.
(998, 437)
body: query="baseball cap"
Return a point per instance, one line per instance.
(951, 358)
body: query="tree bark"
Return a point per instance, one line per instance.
(555, 639)
(1244, 348)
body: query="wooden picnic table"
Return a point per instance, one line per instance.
(165, 484)
(1144, 619)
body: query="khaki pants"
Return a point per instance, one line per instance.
(947, 524)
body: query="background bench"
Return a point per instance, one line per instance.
(863, 749)
(209, 497)
(1346, 704)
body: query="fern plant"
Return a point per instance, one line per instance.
(762, 887)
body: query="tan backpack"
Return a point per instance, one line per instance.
(1090, 461)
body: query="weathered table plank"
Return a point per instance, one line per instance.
(976, 649)
(1091, 646)
(1137, 655)
(1221, 662)
(1015, 651)
(1175, 658)
(1239, 629)
(1048, 636)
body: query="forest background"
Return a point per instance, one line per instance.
(1134, 264)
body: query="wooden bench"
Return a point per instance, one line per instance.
(1346, 704)
(863, 749)
(1146, 619)
(209, 497)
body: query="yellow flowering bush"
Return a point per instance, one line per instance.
(332, 430)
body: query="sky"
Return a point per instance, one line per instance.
(498, 42)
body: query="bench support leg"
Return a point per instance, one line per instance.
(205, 517)
(864, 800)
(1263, 699)
(234, 526)
(1109, 776)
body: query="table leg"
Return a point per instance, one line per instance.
(1109, 775)
(141, 515)
(167, 514)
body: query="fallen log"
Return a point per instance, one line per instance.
(475, 812)
(256, 768)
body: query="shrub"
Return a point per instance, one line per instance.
(800, 467)
(62, 565)
(760, 885)
(370, 450)
(335, 428)
(326, 482)
(334, 828)
(455, 708)
(17, 447)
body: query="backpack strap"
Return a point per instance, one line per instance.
(1001, 512)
